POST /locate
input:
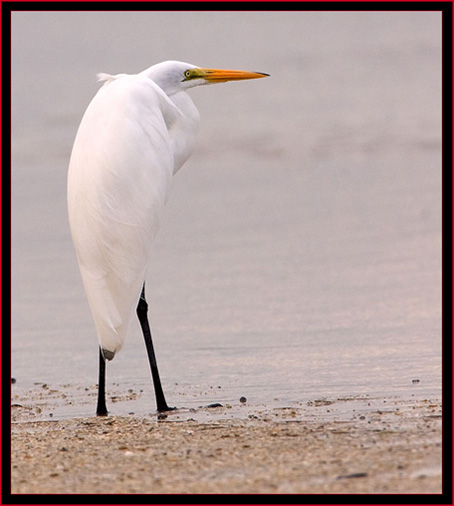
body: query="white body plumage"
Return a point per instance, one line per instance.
(135, 134)
(132, 139)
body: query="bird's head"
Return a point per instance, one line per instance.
(173, 76)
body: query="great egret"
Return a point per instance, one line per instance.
(136, 133)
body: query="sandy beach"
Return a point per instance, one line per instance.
(386, 447)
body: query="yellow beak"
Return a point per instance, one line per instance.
(221, 76)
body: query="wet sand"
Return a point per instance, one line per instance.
(326, 446)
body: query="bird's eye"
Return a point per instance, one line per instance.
(187, 74)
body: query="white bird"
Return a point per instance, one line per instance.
(136, 133)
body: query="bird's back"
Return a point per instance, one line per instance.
(119, 175)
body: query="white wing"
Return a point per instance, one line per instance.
(119, 175)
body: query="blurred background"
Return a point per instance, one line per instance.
(300, 252)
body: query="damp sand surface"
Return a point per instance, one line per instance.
(325, 446)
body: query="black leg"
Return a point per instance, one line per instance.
(142, 310)
(101, 410)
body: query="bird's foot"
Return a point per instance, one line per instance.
(164, 408)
